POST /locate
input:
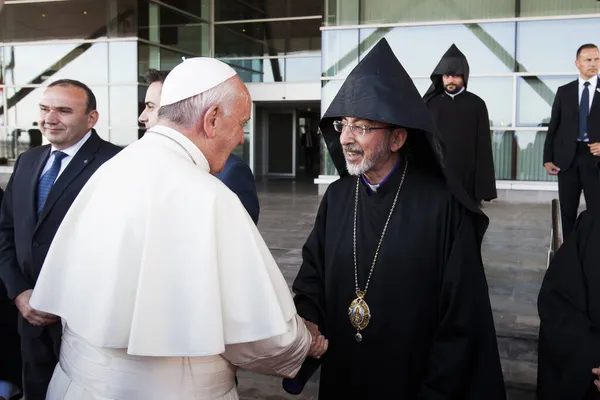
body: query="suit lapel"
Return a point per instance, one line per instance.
(596, 97)
(81, 160)
(575, 95)
(36, 169)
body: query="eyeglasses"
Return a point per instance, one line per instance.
(355, 130)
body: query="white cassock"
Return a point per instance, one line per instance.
(164, 284)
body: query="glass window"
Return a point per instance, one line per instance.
(123, 114)
(503, 144)
(87, 19)
(530, 156)
(535, 8)
(489, 48)
(200, 8)
(561, 39)
(302, 69)
(340, 52)
(256, 39)
(172, 28)
(535, 97)
(150, 56)
(34, 64)
(342, 12)
(122, 62)
(329, 90)
(498, 96)
(236, 10)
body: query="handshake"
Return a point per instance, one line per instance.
(319, 344)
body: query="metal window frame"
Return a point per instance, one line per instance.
(460, 22)
(280, 19)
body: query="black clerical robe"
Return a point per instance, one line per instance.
(431, 334)
(465, 128)
(569, 309)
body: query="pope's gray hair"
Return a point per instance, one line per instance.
(187, 112)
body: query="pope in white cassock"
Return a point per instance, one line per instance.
(163, 283)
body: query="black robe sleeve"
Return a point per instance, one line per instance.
(309, 289)
(309, 285)
(569, 341)
(464, 362)
(485, 179)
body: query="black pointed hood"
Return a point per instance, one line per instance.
(379, 89)
(453, 62)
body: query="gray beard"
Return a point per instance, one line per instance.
(367, 163)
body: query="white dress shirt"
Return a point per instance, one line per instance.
(592, 88)
(70, 153)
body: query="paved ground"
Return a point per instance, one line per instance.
(514, 252)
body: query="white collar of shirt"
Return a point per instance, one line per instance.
(593, 82)
(70, 153)
(183, 143)
(457, 93)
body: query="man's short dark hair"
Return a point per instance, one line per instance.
(91, 99)
(585, 47)
(155, 75)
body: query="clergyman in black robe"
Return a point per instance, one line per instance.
(569, 310)
(462, 119)
(431, 333)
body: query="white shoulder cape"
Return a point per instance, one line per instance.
(159, 257)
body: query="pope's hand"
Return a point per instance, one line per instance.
(319, 343)
(34, 317)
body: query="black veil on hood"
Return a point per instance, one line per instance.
(453, 62)
(379, 89)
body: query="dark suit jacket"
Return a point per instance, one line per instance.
(10, 344)
(238, 177)
(561, 139)
(25, 238)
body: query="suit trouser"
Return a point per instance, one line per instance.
(581, 175)
(40, 356)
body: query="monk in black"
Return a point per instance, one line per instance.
(392, 273)
(568, 305)
(463, 121)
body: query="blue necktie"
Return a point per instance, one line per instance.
(584, 110)
(47, 180)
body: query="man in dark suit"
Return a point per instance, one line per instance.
(572, 147)
(236, 175)
(10, 345)
(44, 183)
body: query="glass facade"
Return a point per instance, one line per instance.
(270, 40)
(107, 44)
(519, 53)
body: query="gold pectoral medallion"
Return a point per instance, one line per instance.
(360, 314)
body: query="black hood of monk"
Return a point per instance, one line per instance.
(454, 63)
(379, 89)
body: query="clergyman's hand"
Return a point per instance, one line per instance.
(33, 316)
(551, 168)
(319, 343)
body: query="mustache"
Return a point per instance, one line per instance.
(354, 149)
